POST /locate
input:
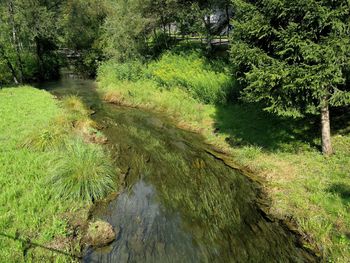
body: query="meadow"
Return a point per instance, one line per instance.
(303, 186)
(49, 172)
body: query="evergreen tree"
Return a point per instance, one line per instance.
(293, 56)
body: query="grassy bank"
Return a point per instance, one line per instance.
(304, 186)
(50, 169)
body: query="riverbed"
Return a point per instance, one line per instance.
(179, 203)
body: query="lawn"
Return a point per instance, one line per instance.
(35, 133)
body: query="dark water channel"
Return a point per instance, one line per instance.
(180, 204)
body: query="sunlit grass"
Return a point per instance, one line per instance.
(206, 82)
(191, 72)
(83, 172)
(34, 132)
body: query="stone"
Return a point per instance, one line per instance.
(100, 234)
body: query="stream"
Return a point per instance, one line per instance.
(179, 203)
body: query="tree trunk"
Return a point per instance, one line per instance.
(11, 68)
(326, 129)
(15, 39)
(39, 51)
(207, 24)
(228, 20)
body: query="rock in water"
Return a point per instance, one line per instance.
(100, 234)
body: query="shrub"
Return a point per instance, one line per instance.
(113, 71)
(192, 73)
(84, 172)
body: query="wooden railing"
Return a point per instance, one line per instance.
(214, 40)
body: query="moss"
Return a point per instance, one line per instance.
(100, 233)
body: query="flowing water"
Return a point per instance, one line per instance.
(179, 203)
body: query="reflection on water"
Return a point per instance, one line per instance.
(180, 203)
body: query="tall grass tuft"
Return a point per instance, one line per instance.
(86, 174)
(74, 106)
(50, 137)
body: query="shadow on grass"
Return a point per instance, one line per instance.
(70, 86)
(341, 120)
(342, 190)
(248, 124)
(28, 244)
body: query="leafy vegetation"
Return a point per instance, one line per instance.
(27, 41)
(204, 81)
(37, 140)
(293, 67)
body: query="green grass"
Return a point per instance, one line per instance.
(303, 185)
(86, 173)
(206, 82)
(34, 129)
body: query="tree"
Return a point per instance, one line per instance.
(28, 32)
(292, 56)
(81, 22)
(126, 28)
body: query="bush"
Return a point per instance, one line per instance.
(115, 72)
(86, 174)
(207, 82)
(194, 74)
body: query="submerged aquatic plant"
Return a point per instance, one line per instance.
(87, 174)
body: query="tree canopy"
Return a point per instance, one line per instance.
(293, 55)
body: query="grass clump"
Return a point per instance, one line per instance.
(74, 106)
(48, 138)
(84, 172)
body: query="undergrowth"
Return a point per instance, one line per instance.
(206, 82)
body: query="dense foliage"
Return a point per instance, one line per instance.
(208, 82)
(38, 37)
(27, 41)
(293, 56)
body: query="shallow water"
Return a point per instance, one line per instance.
(180, 204)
